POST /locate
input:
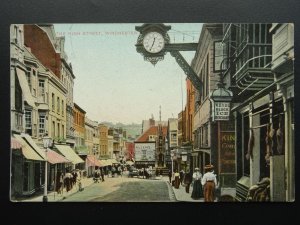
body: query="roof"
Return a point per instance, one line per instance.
(151, 131)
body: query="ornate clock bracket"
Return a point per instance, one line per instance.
(188, 70)
(172, 48)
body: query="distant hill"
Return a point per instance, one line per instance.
(131, 129)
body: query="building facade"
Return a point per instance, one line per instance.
(103, 131)
(259, 71)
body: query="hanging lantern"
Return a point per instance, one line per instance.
(221, 100)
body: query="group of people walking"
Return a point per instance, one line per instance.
(67, 180)
(203, 186)
(99, 174)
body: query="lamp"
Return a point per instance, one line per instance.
(221, 99)
(47, 142)
(184, 159)
(172, 155)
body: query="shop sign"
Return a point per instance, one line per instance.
(144, 151)
(221, 110)
(227, 152)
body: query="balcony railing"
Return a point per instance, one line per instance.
(253, 67)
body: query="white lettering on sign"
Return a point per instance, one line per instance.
(144, 151)
(222, 110)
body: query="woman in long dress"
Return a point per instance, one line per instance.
(177, 180)
(197, 187)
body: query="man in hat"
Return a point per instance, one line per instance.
(209, 182)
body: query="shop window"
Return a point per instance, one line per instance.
(264, 162)
(278, 126)
(26, 176)
(246, 132)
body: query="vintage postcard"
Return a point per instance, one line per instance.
(153, 112)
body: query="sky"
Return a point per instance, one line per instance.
(113, 82)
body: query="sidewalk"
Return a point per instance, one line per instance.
(180, 193)
(54, 197)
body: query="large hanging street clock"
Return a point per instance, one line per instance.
(152, 41)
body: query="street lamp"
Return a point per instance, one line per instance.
(184, 159)
(172, 155)
(47, 142)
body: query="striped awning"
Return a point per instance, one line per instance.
(69, 153)
(92, 161)
(54, 158)
(27, 151)
(39, 150)
(14, 143)
(25, 87)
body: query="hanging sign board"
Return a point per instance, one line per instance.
(221, 110)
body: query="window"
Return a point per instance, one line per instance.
(42, 124)
(62, 107)
(15, 36)
(42, 91)
(28, 122)
(28, 77)
(53, 129)
(58, 130)
(53, 102)
(58, 105)
(62, 131)
(18, 95)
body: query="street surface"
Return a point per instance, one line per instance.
(125, 189)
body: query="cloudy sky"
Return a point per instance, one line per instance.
(114, 83)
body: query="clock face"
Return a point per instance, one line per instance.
(153, 42)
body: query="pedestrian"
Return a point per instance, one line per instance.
(181, 173)
(209, 182)
(97, 175)
(177, 179)
(187, 181)
(197, 187)
(102, 174)
(170, 176)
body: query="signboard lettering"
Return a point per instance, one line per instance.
(222, 110)
(227, 152)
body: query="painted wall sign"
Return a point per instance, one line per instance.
(144, 151)
(227, 152)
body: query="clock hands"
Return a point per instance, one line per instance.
(152, 44)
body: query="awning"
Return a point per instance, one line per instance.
(14, 143)
(25, 87)
(104, 162)
(27, 151)
(32, 143)
(92, 161)
(69, 153)
(54, 158)
(114, 161)
(130, 163)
